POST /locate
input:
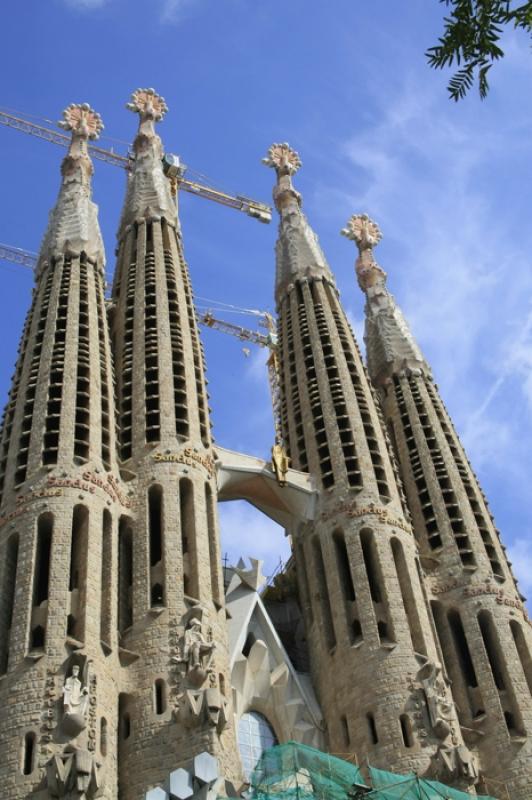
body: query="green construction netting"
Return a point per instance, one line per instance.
(388, 786)
(294, 770)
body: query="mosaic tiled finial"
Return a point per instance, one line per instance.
(82, 120)
(148, 104)
(283, 159)
(363, 231)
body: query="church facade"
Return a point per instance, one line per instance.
(131, 666)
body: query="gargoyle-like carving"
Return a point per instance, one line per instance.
(74, 775)
(204, 705)
(457, 763)
(283, 159)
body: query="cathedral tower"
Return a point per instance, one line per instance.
(373, 654)
(174, 701)
(60, 505)
(483, 628)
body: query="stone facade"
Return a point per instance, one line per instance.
(483, 628)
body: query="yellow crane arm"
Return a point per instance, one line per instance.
(253, 208)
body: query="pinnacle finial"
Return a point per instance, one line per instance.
(366, 234)
(84, 122)
(362, 230)
(148, 105)
(283, 159)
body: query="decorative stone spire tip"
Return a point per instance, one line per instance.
(366, 234)
(150, 106)
(283, 159)
(82, 120)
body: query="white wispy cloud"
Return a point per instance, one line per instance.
(85, 5)
(174, 10)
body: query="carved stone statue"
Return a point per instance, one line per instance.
(197, 651)
(75, 695)
(75, 703)
(280, 463)
(439, 708)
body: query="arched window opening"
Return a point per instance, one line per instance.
(370, 561)
(221, 683)
(510, 723)
(107, 579)
(214, 555)
(499, 671)
(255, 735)
(409, 600)
(125, 575)
(45, 526)
(376, 586)
(28, 753)
(342, 562)
(345, 731)
(41, 581)
(156, 540)
(462, 648)
(38, 638)
(493, 651)
(78, 572)
(372, 728)
(159, 697)
(523, 651)
(304, 588)
(7, 599)
(469, 701)
(124, 719)
(188, 537)
(323, 594)
(406, 730)
(103, 736)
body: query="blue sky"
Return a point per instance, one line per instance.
(347, 85)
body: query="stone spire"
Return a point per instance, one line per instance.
(361, 595)
(73, 225)
(171, 610)
(482, 626)
(298, 252)
(149, 194)
(389, 342)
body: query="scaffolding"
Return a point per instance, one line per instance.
(294, 771)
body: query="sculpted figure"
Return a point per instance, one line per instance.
(197, 650)
(75, 695)
(280, 464)
(439, 708)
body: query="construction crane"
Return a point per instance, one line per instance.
(280, 462)
(172, 165)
